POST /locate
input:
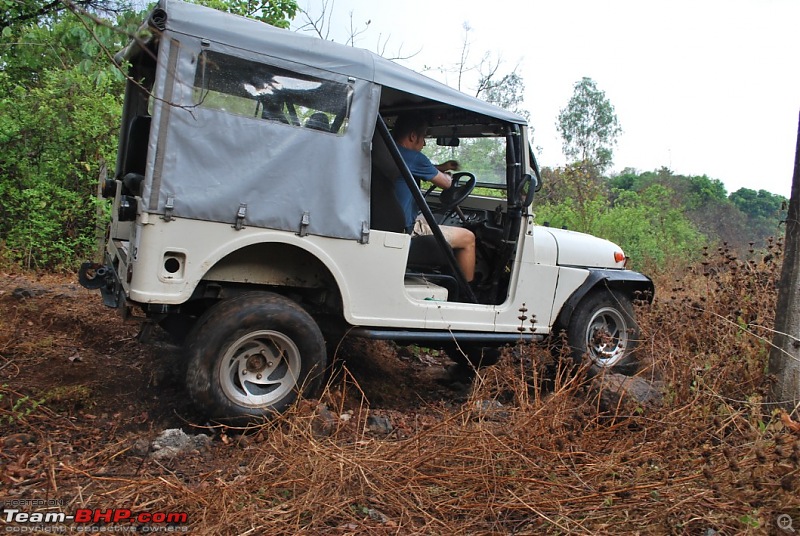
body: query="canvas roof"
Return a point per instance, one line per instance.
(255, 36)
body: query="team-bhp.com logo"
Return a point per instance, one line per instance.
(88, 520)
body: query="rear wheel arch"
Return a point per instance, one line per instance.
(275, 264)
(278, 267)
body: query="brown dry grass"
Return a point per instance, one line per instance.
(712, 459)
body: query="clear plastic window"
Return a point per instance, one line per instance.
(484, 157)
(250, 89)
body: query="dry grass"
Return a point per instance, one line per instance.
(528, 452)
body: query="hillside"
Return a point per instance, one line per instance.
(402, 446)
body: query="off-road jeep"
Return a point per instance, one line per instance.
(253, 211)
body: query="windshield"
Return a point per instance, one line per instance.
(485, 157)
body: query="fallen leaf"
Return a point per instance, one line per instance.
(787, 421)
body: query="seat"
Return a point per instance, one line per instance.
(385, 211)
(318, 121)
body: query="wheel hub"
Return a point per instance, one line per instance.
(256, 363)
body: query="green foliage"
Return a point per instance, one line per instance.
(652, 229)
(743, 217)
(275, 12)
(507, 93)
(17, 12)
(13, 409)
(58, 119)
(759, 206)
(649, 226)
(589, 125)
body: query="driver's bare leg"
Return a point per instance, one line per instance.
(463, 242)
(460, 239)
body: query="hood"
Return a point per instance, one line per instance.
(580, 249)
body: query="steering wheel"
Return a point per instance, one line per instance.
(457, 193)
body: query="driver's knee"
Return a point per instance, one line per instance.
(460, 238)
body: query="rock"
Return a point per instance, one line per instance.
(377, 515)
(175, 441)
(15, 440)
(491, 410)
(618, 393)
(324, 422)
(140, 447)
(30, 292)
(379, 425)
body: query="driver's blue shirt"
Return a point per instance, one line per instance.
(421, 168)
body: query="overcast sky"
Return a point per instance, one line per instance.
(702, 87)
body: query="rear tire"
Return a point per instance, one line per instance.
(604, 328)
(252, 355)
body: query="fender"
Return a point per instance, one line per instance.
(627, 281)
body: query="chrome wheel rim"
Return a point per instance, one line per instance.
(607, 337)
(259, 369)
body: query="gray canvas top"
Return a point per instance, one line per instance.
(223, 148)
(198, 21)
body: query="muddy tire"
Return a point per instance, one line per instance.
(251, 356)
(604, 330)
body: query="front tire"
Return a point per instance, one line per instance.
(252, 355)
(604, 329)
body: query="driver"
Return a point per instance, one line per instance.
(409, 134)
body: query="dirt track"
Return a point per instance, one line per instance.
(82, 400)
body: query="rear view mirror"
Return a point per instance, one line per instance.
(448, 142)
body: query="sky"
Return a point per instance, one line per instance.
(702, 87)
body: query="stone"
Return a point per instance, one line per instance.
(174, 441)
(379, 425)
(620, 394)
(324, 422)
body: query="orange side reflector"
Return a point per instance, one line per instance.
(619, 256)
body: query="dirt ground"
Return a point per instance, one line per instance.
(99, 380)
(82, 401)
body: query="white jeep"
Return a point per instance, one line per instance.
(253, 211)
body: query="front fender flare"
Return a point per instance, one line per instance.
(633, 284)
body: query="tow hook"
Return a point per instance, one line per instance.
(93, 275)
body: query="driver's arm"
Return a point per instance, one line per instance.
(450, 165)
(442, 180)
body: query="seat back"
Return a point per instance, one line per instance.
(318, 121)
(385, 212)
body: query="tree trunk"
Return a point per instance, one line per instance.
(784, 357)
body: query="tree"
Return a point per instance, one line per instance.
(15, 12)
(589, 126)
(275, 12)
(506, 92)
(60, 103)
(784, 356)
